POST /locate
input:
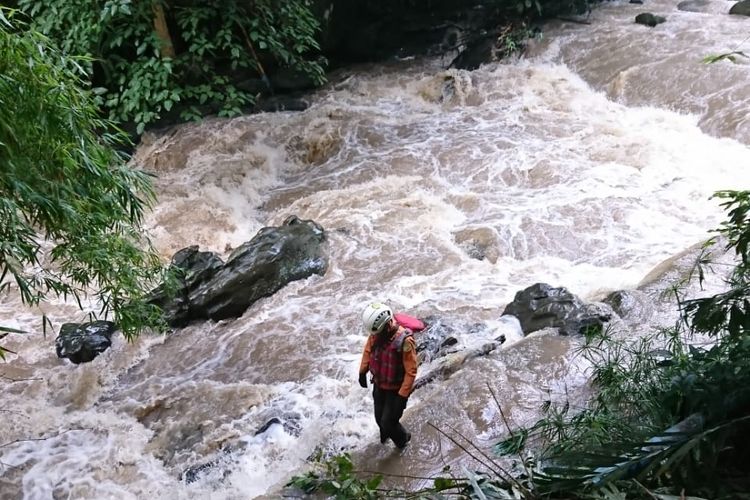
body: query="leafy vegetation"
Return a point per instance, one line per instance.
(70, 208)
(668, 418)
(670, 413)
(337, 478)
(173, 60)
(146, 57)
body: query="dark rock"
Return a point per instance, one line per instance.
(741, 8)
(82, 342)
(632, 306)
(542, 306)
(196, 472)
(222, 465)
(263, 428)
(639, 2)
(441, 334)
(449, 342)
(260, 267)
(280, 103)
(255, 86)
(648, 19)
(693, 5)
(288, 79)
(290, 421)
(191, 268)
(211, 289)
(476, 53)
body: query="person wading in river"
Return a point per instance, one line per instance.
(390, 355)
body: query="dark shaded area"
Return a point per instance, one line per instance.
(367, 30)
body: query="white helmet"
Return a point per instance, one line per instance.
(376, 316)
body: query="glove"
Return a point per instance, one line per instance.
(403, 400)
(363, 380)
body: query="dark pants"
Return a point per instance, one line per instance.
(389, 407)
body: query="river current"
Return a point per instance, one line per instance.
(585, 164)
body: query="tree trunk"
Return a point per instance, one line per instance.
(162, 31)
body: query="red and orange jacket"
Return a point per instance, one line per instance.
(380, 360)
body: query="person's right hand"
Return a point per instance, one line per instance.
(403, 400)
(363, 380)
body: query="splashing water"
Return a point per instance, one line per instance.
(442, 192)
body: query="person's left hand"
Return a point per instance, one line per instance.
(363, 380)
(403, 400)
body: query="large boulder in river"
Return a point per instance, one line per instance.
(214, 290)
(741, 8)
(82, 342)
(543, 306)
(190, 269)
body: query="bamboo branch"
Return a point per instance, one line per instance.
(500, 473)
(508, 477)
(44, 438)
(507, 426)
(256, 58)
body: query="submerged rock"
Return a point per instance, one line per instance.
(440, 337)
(633, 306)
(693, 5)
(440, 352)
(479, 243)
(543, 306)
(453, 362)
(648, 19)
(291, 422)
(82, 342)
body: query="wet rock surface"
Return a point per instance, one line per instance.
(82, 342)
(544, 306)
(211, 289)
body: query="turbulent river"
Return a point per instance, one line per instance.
(585, 164)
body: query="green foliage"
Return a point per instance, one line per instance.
(668, 415)
(4, 331)
(728, 312)
(337, 478)
(214, 49)
(70, 209)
